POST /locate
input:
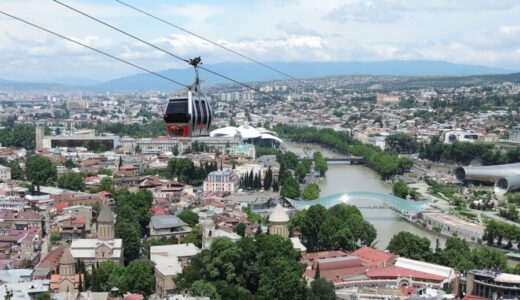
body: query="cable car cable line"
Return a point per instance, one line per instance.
(93, 49)
(195, 113)
(210, 41)
(163, 50)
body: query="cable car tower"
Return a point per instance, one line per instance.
(191, 115)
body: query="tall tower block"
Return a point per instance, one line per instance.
(40, 132)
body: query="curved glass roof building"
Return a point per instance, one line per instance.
(403, 206)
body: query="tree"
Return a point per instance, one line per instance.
(276, 186)
(304, 167)
(131, 235)
(310, 227)
(139, 277)
(323, 289)
(189, 217)
(71, 181)
(81, 269)
(400, 189)
(16, 170)
(55, 237)
(414, 194)
(401, 143)
(487, 258)
(268, 179)
(256, 266)
(42, 296)
(288, 159)
(341, 227)
(201, 288)
(290, 187)
(317, 275)
(69, 164)
(281, 281)
(107, 276)
(240, 229)
(195, 236)
(106, 184)
(18, 135)
(410, 245)
(185, 171)
(40, 170)
(175, 150)
(456, 254)
(320, 164)
(104, 171)
(311, 192)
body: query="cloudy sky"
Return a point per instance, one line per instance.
(483, 32)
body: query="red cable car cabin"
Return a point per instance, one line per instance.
(188, 116)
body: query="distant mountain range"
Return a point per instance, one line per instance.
(249, 72)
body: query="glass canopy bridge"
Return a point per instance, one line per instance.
(406, 208)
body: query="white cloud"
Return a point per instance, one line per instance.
(484, 32)
(383, 11)
(510, 30)
(295, 28)
(192, 12)
(363, 11)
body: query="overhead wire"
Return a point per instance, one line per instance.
(92, 48)
(163, 50)
(210, 41)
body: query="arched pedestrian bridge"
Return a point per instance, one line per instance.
(407, 208)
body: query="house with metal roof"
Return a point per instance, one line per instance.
(168, 226)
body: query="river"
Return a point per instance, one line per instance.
(343, 178)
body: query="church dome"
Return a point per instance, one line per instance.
(279, 215)
(105, 215)
(66, 258)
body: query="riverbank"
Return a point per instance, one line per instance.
(344, 178)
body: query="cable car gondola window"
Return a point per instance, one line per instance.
(199, 112)
(177, 111)
(204, 105)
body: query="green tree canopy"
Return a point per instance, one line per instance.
(290, 187)
(320, 164)
(104, 171)
(189, 217)
(71, 181)
(311, 192)
(195, 236)
(323, 289)
(107, 276)
(16, 171)
(252, 266)
(400, 189)
(40, 170)
(42, 296)
(139, 278)
(106, 184)
(240, 229)
(340, 227)
(69, 164)
(410, 245)
(401, 143)
(201, 288)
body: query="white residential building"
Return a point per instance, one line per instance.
(222, 181)
(169, 261)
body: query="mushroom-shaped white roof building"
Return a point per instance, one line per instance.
(278, 215)
(249, 134)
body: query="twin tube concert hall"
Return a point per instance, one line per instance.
(506, 178)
